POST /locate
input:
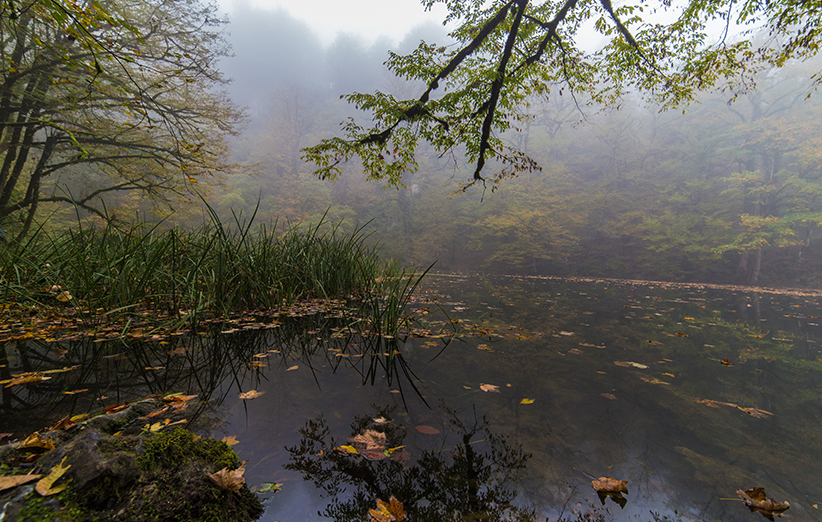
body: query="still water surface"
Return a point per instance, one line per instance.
(689, 393)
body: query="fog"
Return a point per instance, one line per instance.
(726, 190)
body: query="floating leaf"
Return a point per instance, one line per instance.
(489, 388)
(265, 487)
(575, 351)
(231, 440)
(726, 362)
(44, 487)
(25, 378)
(374, 455)
(229, 480)
(654, 381)
(527, 401)
(609, 485)
(757, 501)
(566, 333)
(484, 347)
(428, 430)
(251, 394)
(74, 392)
(391, 511)
(16, 480)
(379, 421)
(369, 440)
(756, 412)
(609, 396)
(627, 364)
(346, 449)
(290, 368)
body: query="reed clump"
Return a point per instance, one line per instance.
(216, 270)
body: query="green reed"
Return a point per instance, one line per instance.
(218, 269)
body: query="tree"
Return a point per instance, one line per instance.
(128, 106)
(509, 50)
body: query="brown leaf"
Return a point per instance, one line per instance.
(489, 388)
(428, 430)
(369, 440)
(115, 408)
(758, 501)
(251, 394)
(63, 424)
(726, 362)
(373, 455)
(391, 511)
(229, 480)
(609, 485)
(25, 378)
(178, 398)
(16, 480)
(609, 396)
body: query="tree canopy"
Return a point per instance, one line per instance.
(103, 99)
(509, 51)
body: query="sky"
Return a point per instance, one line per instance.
(370, 19)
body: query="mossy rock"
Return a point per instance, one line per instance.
(146, 477)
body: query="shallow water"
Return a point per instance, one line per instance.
(627, 381)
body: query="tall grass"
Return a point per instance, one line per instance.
(218, 269)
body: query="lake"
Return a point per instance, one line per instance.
(522, 391)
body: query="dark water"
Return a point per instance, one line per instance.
(627, 381)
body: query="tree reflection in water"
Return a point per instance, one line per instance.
(473, 480)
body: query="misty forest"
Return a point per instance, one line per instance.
(547, 260)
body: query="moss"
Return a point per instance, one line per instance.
(173, 448)
(47, 509)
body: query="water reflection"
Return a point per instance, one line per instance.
(472, 477)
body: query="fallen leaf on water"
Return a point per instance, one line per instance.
(394, 391)
(621, 363)
(44, 487)
(654, 381)
(609, 485)
(25, 378)
(251, 394)
(566, 333)
(527, 401)
(669, 374)
(374, 455)
(229, 480)
(489, 388)
(575, 351)
(265, 487)
(346, 449)
(16, 480)
(369, 440)
(290, 368)
(155, 367)
(756, 412)
(484, 347)
(609, 396)
(757, 501)
(726, 362)
(379, 421)
(178, 397)
(627, 364)
(230, 440)
(391, 511)
(74, 392)
(428, 430)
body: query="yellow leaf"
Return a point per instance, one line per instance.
(157, 426)
(251, 394)
(34, 441)
(231, 440)
(292, 368)
(527, 401)
(44, 487)
(347, 449)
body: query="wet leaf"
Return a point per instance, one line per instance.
(391, 511)
(369, 440)
(428, 430)
(16, 480)
(44, 487)
(63, 424)
(114, 408)
(178, 397)
(633, 364)
(290, 368)
(527, 401)
(610, 485)
(654, 381)
(575, 351)
(74, 392)
(757, 501)
(229, 480)
(756, 412)
(566, 333)
(230, 440)
(489, 388)
(726, 362)
(347, 449)
(379, 421)
(25, 378)
(374, 455)
(609, 396)
(265, 487)
(484, 347)
(251, 394)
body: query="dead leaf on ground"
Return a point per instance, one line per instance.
(178, 397)
(63, 424)
(391, 511)
(757, 501)
(34, 443)
(251, 394)
(489, 388)
(16, 480)
(229, 480)
(114, 408)
(44, 487)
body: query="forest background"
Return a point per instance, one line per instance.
(726, 191)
